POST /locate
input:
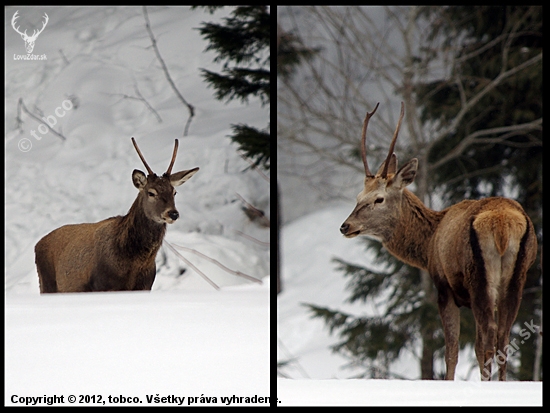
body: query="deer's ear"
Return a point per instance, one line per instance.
(180, 177)
(139, 179)
(405, 176)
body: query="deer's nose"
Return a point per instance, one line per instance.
(173, 214)
(344, 228)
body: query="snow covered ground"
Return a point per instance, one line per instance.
(407, 393)
(184, 338)
(101, 346)
(315, 375)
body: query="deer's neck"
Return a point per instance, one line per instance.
(412, 234)
(139, 236)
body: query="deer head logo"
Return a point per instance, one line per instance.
(29, 40)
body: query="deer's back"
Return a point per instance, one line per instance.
(67, 254)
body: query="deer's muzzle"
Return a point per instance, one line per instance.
(347, 231)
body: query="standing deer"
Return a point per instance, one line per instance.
(477, 252)
(116, 254)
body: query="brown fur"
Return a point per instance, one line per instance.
(116, 254)
(476, 250)
(477, 253)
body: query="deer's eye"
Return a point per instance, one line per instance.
(378, 200)
(151, 193)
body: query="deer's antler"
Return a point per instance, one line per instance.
(169, 170)
(141, 157)
(364, 141)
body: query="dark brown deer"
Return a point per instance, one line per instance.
(477, 252)
(116, 254)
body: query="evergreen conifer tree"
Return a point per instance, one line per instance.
(242, 44)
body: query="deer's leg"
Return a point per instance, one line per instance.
(514, 262)
(507, 311)
(483, 278)
(506, 317)
(486, 334)
(484, 358)
(450, 318)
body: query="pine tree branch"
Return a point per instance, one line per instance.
(239, 83)
(190, 107)
(253, 142)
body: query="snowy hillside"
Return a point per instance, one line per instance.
(99, 85)
(310, 276)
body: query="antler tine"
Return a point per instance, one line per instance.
(392, 145)
(35, 32)
(142, 158)
(169, 170)
(364, 141)
(13, 19)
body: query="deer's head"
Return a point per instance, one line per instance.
(379, 203)
(29, 40)
(157, 193)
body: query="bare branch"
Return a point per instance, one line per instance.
(321, 108)
(64, 57)
(32, 115)
(208, 280)
(219, 264)
(141, 99)
(153, 111)
(476, 98)
(254, 214)
(472, 139)
(477, 172)
(190, 107)
(255, 167)
(257, 241)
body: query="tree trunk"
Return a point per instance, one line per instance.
(427, 360)
(278, 240)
